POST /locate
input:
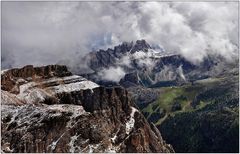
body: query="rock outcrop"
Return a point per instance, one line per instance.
(11, 79)
(47, 109)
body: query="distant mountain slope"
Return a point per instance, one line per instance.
(202, 117)
(214, 127)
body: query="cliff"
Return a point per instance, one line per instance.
(47, 109)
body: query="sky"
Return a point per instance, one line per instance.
(41, 33)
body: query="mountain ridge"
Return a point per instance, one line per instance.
(56, 111)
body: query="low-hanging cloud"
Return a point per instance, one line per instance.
(47, 32)
(112, 74)
(142, 60)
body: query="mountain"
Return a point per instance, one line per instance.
(194, 105)
(48, 109)
(139, 58)
(143, 69)
(150, 66)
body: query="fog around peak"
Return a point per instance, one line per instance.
(41, 33)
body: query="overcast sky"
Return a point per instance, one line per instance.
(45, 32)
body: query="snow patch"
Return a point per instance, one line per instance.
(32, 95)
(77, 111)
(21, 80)
(150, 54)
(72, 78)
(113, 139)
(4, 71)
(36, 96)
(111, 149)
(71, 143)
(34, 92)
(28, 94)
(54, 143)
(93, 147)
(130, 123)
(73, 87)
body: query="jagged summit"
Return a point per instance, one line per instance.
(154, 67)
(106, 58)
(139, 45)
(151, 65)
(48, 109)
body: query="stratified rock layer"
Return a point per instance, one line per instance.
(47, 109)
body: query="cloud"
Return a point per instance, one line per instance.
(142, 60)
(47, 32)
(194, 29)
(112, 74)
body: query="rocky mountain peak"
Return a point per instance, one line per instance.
(140, 45)
(55, 111)
(107, 58)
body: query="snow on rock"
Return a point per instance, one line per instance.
(131, 121)
(72, 78)
(111, 149)
(73, 86)
(13, 111)
(54, 143)
(113, 139)
(3, 71)
(21, 80)
(26, 93)
(27, 86)
(35, 92)
(32, 95)
(150, 54)
(77, 110)
(35, 96)
(71, 143)
(64, 84)
(93, 147)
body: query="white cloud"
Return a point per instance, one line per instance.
(46, 32)
(112, 74)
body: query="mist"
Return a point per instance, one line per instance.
(41, 33)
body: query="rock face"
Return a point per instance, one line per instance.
(154, 66)
(109, 57)
(130, 80)
(11, 79)
(47, 109)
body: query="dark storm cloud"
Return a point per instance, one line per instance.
(47, 32)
